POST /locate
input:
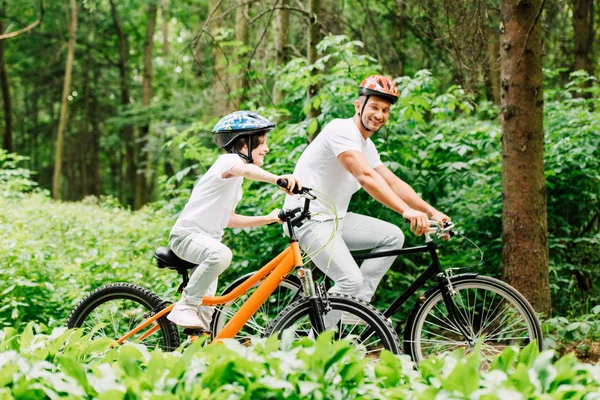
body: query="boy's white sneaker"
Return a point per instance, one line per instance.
(185, 315)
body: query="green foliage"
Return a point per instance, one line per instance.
(14, 180)
(53, 254)
(559, 330)
(66, 364)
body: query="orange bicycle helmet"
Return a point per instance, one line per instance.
(381, 86)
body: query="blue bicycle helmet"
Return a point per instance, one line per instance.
(239, 123)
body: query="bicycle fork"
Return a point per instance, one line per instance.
(319, 303)
(448, 292)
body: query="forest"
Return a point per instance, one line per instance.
(106, 118)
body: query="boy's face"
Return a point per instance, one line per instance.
(259, 153)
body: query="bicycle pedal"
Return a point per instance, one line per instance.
(196, 332)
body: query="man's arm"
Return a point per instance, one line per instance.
(374, 183)
(407, 193)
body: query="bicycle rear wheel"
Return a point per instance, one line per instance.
(113, 310)
(491, 311)
(360, 323)
(287, 291)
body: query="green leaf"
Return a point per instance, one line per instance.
(313, 126)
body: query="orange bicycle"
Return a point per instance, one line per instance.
(128, 312)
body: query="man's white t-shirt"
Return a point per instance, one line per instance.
(209, 208)
(320, 169)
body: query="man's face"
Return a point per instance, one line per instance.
(375, 114)
(259, 153)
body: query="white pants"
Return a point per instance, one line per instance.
(355, 232)
(212, 257)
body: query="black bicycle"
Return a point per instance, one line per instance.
(456, 311)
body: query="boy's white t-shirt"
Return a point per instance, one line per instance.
(209, 208)
(320, 169)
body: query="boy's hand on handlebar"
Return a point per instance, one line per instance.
(419, 221)
(292, 182)
(273, 217)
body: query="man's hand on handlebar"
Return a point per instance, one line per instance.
(439, 217)
(419, 222)
(288, 183)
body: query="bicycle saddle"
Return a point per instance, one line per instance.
(165, 258)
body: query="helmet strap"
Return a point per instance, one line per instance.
(361, 114)
(247, 158)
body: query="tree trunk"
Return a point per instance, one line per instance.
(141, 187)
(492, 73)
(164, 10)
(8, 133)
(56, 181)
(282, 40)
(220, 84)
(314, 36)
(127, 132)
(238, 81)
(524, 223)
(583, 14)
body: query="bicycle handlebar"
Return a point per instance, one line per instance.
(284, 184)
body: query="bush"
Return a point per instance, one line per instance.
(66, 364)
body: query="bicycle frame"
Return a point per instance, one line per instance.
(272, 273)
(434, 269)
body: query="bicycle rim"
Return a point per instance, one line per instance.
(350, 319)
(112, 311)
(494, 314)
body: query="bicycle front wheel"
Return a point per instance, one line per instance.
(114, 310)
(350, 318)
(492, 312)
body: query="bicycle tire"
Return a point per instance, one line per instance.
(297, 315)
(129, 301)
(488, 306)
(283, 295)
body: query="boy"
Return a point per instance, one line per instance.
(196, 236)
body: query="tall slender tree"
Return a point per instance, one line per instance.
(142, 194)
(583, 27)
(314, 37)
(56, 180)
(282, 38)
(238, 78)
(524, 222)
(127, 132)
(4, 82)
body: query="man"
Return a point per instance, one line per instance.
(340, 161)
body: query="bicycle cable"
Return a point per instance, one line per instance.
(477, 247)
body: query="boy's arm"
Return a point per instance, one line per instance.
(256, 173)
(244, 221)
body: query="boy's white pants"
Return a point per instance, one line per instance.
(212, 257)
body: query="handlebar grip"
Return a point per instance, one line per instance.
(281, 215)
(284, 184)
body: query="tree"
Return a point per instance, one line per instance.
(238, 78)
(142, 187)
(583, 26)
(64, 103)
(282, 39)
(127, 132)
(524, 222)
(314, 36)
(7, 142)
